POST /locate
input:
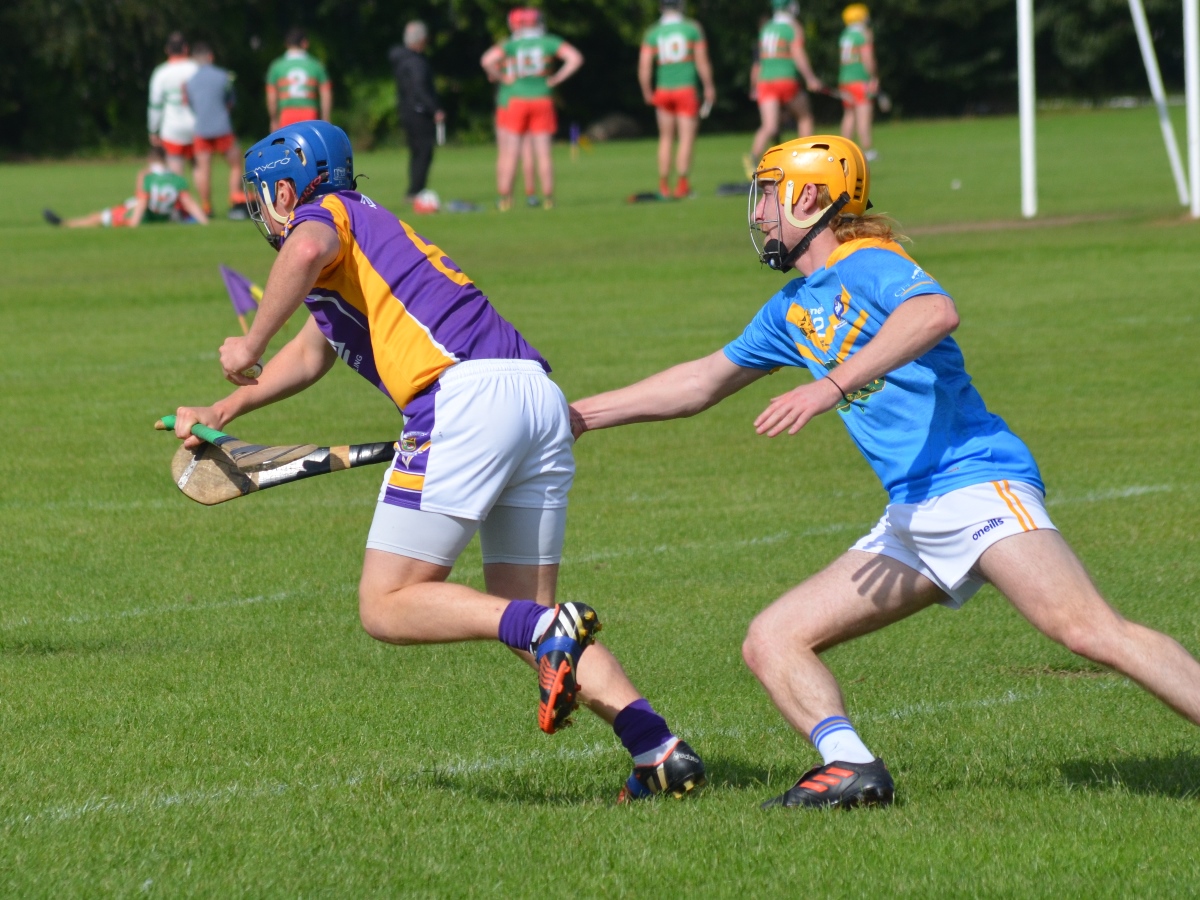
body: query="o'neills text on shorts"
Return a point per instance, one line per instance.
(991, 523)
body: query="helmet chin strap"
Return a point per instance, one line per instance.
(777, 255)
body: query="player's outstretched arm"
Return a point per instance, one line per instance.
(674, 393)
(299, 364)
(916, 327)
(571, 58)
(310, 248)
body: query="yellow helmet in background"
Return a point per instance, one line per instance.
(855, 13)
(827, 159)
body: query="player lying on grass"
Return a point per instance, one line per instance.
(486, 444)
(965, 495)
(162, 196)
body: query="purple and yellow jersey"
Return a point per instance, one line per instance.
(395, 308)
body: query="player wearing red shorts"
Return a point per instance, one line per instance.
(524, 108)
(677, 46)
(858, 81)
(209, 95)
(160, 196)
(298, 87)
(773, 78)
(168, 119)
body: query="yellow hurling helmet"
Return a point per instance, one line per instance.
(855, 13)
(831, 160)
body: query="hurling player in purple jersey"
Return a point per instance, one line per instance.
(486, 444)
(965, 494)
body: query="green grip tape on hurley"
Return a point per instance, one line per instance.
(201, 431)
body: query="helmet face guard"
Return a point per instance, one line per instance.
(258, 199)
(764, 188)
(835, 162)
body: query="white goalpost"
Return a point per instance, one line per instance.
(1187, 187)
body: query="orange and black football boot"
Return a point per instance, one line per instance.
(677, 771)
(557, 654)
(841, 784)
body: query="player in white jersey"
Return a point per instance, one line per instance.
(169, 120)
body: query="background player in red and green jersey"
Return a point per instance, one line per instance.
(858, 81)
(678, 47)
(773, 81)
(298, 87)
(161, 196)
(522, 66)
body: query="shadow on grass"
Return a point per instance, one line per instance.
(47, 647)
(724, 773)
(522, 792)
(1165, 776)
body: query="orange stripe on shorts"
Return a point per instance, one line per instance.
(1014, 503)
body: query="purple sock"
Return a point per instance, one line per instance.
(640, 728)
(518, 621)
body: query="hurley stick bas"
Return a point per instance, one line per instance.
(224, 468)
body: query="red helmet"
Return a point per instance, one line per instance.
(523, 17)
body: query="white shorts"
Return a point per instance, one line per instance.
(943, 537)
(491, 433)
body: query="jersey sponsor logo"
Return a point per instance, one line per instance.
(924, 280)
(988, 526)
(363, 199)
(349, 357)
(817, 327)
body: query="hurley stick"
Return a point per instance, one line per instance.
(210, 474)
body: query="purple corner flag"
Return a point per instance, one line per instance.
(241, 291)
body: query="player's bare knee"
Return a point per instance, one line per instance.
(381, 616)
(763, 639)
(1100, 641)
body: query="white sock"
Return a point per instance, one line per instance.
(837, 741)
(543, 623)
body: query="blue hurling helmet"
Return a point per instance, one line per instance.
(315, 156)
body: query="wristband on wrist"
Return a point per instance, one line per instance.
(839, 388)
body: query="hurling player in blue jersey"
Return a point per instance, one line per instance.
(965, 495)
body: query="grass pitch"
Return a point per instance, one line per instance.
(189, 707)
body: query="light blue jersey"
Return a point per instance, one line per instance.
(923, 428)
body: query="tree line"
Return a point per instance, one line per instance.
(74, 73)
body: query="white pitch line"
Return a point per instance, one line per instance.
(138, 612)
(1124, 493)
(463, 766)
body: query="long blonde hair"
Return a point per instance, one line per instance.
(849, 228)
